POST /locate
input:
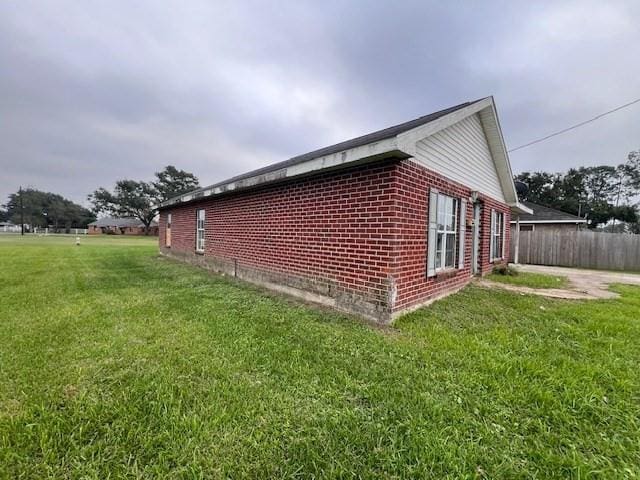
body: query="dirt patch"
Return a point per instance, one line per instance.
(543, 292)
(583, 284)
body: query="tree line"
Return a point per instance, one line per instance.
(128, 198)
(603, 194)
(45, 209)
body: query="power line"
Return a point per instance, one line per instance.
(575, 126)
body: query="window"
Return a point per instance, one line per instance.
(200, 230)
(167, 236)
(526, 228)
(497, 234)
(445, 237)
(447, 233)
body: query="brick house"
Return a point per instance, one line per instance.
(120, 226)
(376, 226)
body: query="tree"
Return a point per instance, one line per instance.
(141, 199)
(172, 182)
(603, 192)
(129, 199)
(540, 186)
(46, 209)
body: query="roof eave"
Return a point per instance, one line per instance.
(581, 220)
(520, 209)
(372, 152)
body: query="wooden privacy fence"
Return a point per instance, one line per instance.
(586, 249)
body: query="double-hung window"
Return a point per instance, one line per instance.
(497, 235)
(200, 230)
(447, 234)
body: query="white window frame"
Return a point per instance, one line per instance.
(200, 217)
(446, 233)
(497, 233)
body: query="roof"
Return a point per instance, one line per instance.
(119, 222)
(348, 144)
(397, 142)
(542, 214)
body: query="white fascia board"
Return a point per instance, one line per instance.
(493, 132)
(518, 207)
(526, 222)
(346, 156)
(375, 150)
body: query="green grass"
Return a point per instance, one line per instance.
(117, 363)
(532, 280)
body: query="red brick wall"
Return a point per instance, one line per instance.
(359, 229)
(333, 228)
(412, 186)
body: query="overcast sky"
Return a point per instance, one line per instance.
(91, 92)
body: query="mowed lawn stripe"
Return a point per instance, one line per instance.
(117, 362)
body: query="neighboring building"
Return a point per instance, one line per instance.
(121, 226)
(377, 225)
(8, 227)
(545, 218)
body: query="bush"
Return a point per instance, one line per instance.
(505, 270)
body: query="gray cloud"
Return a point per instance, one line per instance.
(95, 91)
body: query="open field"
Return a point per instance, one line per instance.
(115, 362)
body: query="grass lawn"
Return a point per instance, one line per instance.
(532, 280)
(116, 363)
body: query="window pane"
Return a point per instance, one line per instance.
(439, 244)
(442, 211)
(454, 215)
(450, 251)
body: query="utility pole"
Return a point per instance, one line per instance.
(21, 213)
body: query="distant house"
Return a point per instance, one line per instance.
(120, 226)
(8, 227)
(545, 218)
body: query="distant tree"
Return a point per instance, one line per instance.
(632, 172)
(4, 215)
(172, 182)
(540, 184)
(46, 209)
(141, 199)
(129, 199)
(603, 193)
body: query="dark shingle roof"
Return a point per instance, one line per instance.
(119, 222)
(546, 214)
(346, 145)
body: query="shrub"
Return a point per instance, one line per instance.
(504, 269)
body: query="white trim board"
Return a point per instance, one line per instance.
(529, 222)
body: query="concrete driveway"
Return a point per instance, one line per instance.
(583, 284)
